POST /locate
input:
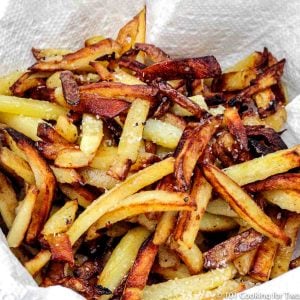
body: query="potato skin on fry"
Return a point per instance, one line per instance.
(232, 248)
(199, 67)
(69, 87)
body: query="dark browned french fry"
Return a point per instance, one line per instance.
(199, 67)
(232, 248)
(70, 88)
(47, 133)
(45, 182)
(156, 54)
(138, 275)
(191, 146)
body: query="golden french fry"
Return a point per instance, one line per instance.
(20, 225)
(220, 207)
(193, 284)
(104, 157)
(31, 108)
(64, 175)
(215, 223)
(66, 129)
(165, 227)
(71, 158)
(93, 40)
(47, 53)
(16, 165)
(178, 272)
(7, 81)
(34, 265)
(122, 259)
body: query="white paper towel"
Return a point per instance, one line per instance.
(228, 29)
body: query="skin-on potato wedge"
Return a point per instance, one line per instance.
(78, 193)
(188, 222)
(15, 165)
(284, 253)
(114, 197)
(143, 202)
(265, 166)
(198, 68)
(45, 182)
(139, 272)
(243, 204)
(20, 225)
(191, 146)
(227, 251)
(285, 199)
(80, 59)
(290, 181)
(128, 92)
(130, 141)
(8, 201)
(185, 286)
(166, 90)
(31, 108)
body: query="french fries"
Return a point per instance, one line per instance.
(8, 201)
(121, 163)
(243, 204)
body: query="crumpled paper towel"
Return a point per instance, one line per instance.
(228, 29)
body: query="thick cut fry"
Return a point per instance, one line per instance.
(80, 59)
(290, 181)
(23, 124)
(220, 207)
(16, 165)
(71, 158)
(92, 134)
(243, 204)
(66, 129)
(193, 284)
(264, 260)
(130, 140)
(97, 178)
(31, 108)
(8, 201)
(122, 259)
(79, 193)
(215, 223)
(143, 202)
(119, 90)
(61, 220)
(165, 227)
(188, 223)
(284, 253)
(191, 256)
(162, 133)
(264, 167)
(45, 182)
(47, 133)
(285, 199)
(115, 196)
(191, 146)
(227, 251)
(34, 265)
(7, 81)
(139, 272)
(21, 222)
(199, 67)
(69, 87)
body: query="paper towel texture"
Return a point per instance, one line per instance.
(228, 29)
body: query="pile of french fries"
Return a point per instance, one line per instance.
(126, 174)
